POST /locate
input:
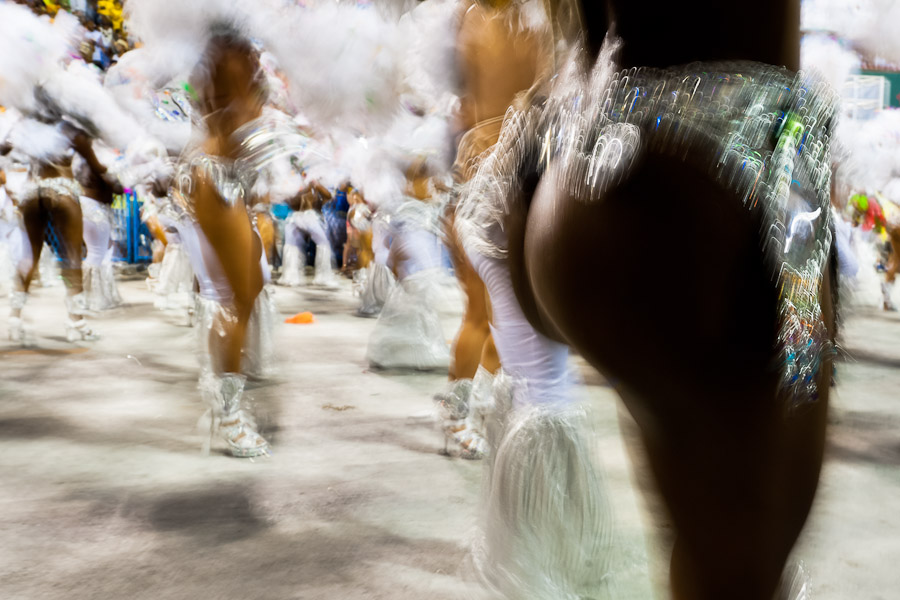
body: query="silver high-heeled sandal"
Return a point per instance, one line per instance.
(16, 327)
(232, 423)
(79, 331)
(456, 422)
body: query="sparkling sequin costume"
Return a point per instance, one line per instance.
(762, 132)
(235, 180)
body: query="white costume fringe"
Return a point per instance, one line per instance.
(175, 274)
(98, 274)
(409, 333)
(379, 283)
(546, 530)
(259, 346)
(293, 264)
(258, 354)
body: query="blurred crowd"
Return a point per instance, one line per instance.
(105, 35)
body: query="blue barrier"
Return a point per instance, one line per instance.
(130, 236)
(52, 239)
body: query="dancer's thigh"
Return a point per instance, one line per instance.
(267, 234)
(34, 221)
(65, 212)
(236, 245)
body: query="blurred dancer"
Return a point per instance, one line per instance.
(498, 59)
(409, 334)
(727, 374)
(8, 229)
(53, 195)
(307, 221)
(358, 249)
(334, 211)
(893, 266)
(225, 250)
(168, 221)
(867, 213)
(379, 279)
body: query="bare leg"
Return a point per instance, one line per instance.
(238, 248)
(66, 215)
(892, 269)
(474, 333)
(267, 232)
(35, 221)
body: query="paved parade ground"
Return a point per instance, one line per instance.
(105, 493)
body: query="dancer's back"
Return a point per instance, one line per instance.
(498, 59)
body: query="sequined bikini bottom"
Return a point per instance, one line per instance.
(762, 132)
(52, 190)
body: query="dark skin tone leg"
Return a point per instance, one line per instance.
(67, 221)
(65, 214)
(35, 220)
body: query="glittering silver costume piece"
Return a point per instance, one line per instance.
(261, 142)
(53, 189)
(762, 132)
(227, 417)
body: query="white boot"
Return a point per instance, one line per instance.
(292, 267)
(453, 409)
(324, 271)
(78, 330)
(886, 289)
(236, 427)
(546, 530)
(15, 325)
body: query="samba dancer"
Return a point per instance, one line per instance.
(740, 358)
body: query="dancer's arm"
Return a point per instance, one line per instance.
(107, 184)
